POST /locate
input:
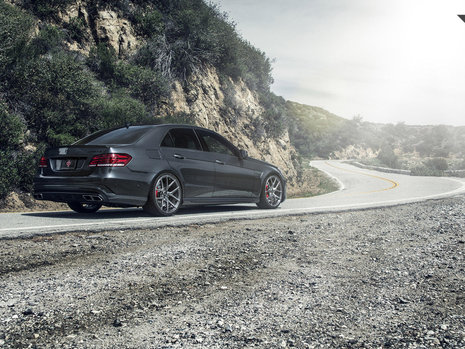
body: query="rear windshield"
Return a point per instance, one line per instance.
(119, 136)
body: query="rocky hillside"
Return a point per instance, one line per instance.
(71, 67)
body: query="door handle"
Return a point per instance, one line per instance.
(177, 156)
(219, 162)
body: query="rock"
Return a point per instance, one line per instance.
(117, 323)
(28, 312)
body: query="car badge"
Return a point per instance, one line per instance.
(63, 151)
(68, 163)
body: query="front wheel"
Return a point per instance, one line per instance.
(272, 192)
(165, 196)
(80, 207)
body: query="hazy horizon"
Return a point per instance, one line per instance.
(402, 62)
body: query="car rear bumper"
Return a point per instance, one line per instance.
(107, 191)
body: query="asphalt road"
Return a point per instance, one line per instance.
(358, 189)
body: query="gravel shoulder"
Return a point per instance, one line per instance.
(388, 277)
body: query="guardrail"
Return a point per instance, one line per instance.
(448, 173)
(381, 169)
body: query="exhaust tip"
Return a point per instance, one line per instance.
(97, 198)
(93, 198)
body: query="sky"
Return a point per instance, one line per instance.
(386, 61)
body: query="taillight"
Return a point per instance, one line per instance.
(43, 162)
(110, 160)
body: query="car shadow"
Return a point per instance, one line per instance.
(137, 212)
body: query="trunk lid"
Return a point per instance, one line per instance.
(72, 160)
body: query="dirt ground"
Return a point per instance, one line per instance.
(380, 278)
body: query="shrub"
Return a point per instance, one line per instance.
(48, 39)
(431, 167)
(56, 96)
(75, 29)
(12, 129)
(142, 83)
(274, 114)
(439, 164)
(102, 60)
(46, 8)
(15, 27)
(8, 174)
(149, 23)
(387, 157)
(179, 118)
(119, 110)
(26, 164)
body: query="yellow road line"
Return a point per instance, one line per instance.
(394, 184)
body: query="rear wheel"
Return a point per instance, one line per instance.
(83, 207)
(165, 196)
(272, 192)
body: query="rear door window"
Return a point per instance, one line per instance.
(183, 138)
(215, 144)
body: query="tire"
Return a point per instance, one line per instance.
(165, 196)
(80, 207)
(272, 192)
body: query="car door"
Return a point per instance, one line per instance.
(181, 148)
(233, 179)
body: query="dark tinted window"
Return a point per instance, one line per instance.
(167, 141)
(181, 138)
(119, 136)
(215, 144)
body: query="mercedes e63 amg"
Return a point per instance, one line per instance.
(158, 167)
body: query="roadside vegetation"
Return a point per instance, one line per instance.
(424, 150)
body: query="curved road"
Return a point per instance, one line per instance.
(358, 189)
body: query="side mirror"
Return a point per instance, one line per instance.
(244, 154)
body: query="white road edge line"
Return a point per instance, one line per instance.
(261, 213)
(339, 182)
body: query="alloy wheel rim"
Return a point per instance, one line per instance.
(273, 191)
(168, 194)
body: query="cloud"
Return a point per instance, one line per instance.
(402, 60)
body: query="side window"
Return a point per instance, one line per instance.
(167, 141)
(215, 144)
(181, 138)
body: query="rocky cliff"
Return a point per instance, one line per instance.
(206, 97)
(234, 111)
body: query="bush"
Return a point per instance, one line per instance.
(179, 118)
(8, 174)
(439, 164)
(12, 129)
(274, 114)
(119, 110)
(387, 157)
(46, 9)
(15, 27)
(102, 60)
(423, 170)
(56, 95)
(431, 167)
(149, 23)
(196, 34)
(141, 82)
(75, 29)
(49, 38)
